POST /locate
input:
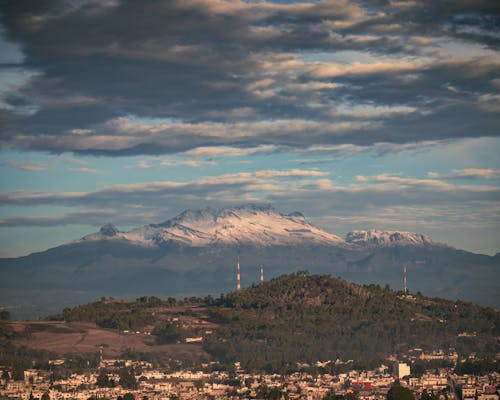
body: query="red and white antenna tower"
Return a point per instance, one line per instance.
(404, 280)
(238, 278)
(261, 274)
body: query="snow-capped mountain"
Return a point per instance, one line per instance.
(260, 226)
(195, 253)
(388, 238)
(253, 225)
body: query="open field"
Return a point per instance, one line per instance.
(83, 337)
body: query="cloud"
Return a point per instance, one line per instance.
(331, 70)
(68, 160)
(225, 151)
(186, 163)
(174, 163)
(86, 170)
(124, 137)
(312, 191)
(92, 217)
(24, 166)
(111, 195)
(372, 111)
(235, 74)
(468, 173)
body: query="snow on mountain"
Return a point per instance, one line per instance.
(262, 226)
(387, 238)
(254, 225)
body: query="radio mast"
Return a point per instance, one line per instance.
(238, 277)
(404, 279)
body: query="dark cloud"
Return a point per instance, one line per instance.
(203, 62)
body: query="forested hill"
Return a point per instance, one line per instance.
(302, 318)
(306, 318)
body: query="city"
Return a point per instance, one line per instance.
(108, 381)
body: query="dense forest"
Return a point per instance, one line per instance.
(299, 319)
(305, 318)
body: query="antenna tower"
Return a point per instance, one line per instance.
(238, 278)
(404, 280)
(261, 274)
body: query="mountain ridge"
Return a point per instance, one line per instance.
(195, 254)
(251, 224)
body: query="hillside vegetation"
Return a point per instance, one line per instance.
(299, 319)
(306, 318)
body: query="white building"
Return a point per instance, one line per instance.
(401, 370)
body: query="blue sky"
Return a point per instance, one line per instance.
(359, 114)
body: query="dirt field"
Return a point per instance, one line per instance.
(83, 337)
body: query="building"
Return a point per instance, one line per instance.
(468, 393)
(401, 370)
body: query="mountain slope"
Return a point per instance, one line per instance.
(259, 226)
(195, 254)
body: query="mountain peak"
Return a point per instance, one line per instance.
(251, 224)
(296, 214)
(209, 215)
(387, 238)
(108, 230)
(248, 225)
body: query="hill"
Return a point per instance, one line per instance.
(306, 318)
(195, 253)
(291, 320)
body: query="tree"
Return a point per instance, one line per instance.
(249, 382)
(18, 372)
(5, 375)
(171, 332)
(271, 393)
(400, 393)
(428, 396)
(4, 315)
(103, 380)
(127, 379)
(348, 396)
(332, 396)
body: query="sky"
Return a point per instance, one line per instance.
(361, 114)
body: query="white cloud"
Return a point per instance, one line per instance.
(227, 151)
(86, 170)
(468, 173)
(334, 69)
(25, 166)
(372, 111)
(173, 163)
(476, 173)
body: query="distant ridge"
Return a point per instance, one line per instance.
(388, 238)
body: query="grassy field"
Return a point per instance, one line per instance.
(84, 337)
